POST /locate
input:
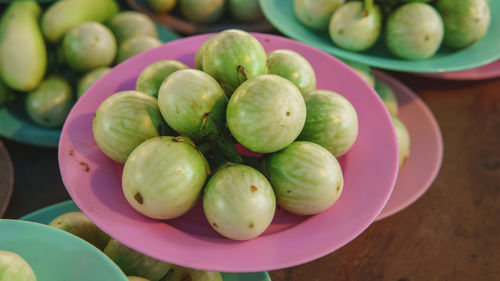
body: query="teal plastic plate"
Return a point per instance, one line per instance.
(281, 14)
(56, 255)
(16, 125)
(46, 215)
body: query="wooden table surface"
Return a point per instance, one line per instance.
(451, 233)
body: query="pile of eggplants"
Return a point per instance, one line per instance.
(387, 95)
(137, 266)
(209, 11)
(49, 58)
(412, 29)
(176, 134)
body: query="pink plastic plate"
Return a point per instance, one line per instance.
(370, 169)
(426, 148)
(488, 71)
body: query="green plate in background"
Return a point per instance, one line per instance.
(16, 125)
(165, 34)
(56, 255)
(46, 215)
(281, 14)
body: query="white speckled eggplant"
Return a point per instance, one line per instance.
(245, 10)
(88, 46)
(125, 120)
(306, 178)
(364, 71)
(128, 24)
(134, 46)
(49, 104)
(14, 268)
(414, 31)
(233, 56)
(403, 138)
(388, 97)
(89, 79)
(316, 14)
(465, 21)
(151, 78)
(134, 263)
(198, 60)
(202, 11)
(266, 114)
(136, 278)
(163, 177)
(77, 223)
(294, 67)
(354, 28)
(192, 103)
(162, 6)
(331, 121)
(239, 202)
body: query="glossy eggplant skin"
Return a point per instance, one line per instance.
(331, 122)
(233, 56)
(306, 177)
(239, 202)
(163, 177)
(23, 55)
(465, 21)
(266, 114)
(414, 31)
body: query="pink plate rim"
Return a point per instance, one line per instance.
(406, 195)
(301, 243)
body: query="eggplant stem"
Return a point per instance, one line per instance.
(368, 7)
(204, 121)
(228, 89)
(243, 74)
(225, 145)
(204, 147)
